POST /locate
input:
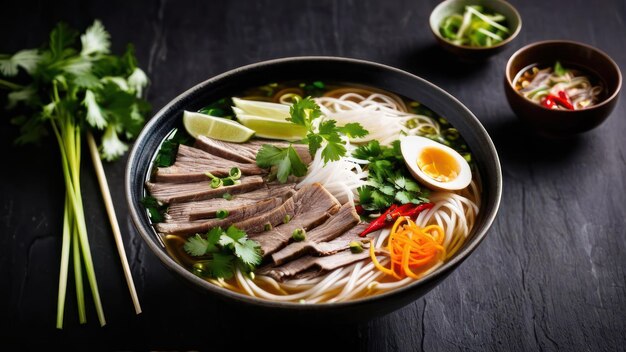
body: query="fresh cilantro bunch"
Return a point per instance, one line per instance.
(389, 181)
(305, 111)
(73, 86)
(77, 75)
(225, 251)
(323, 134)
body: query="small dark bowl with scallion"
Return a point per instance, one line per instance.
(475, 30)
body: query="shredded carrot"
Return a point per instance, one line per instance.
(412, 250)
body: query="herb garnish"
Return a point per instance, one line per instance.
(327, 136)
(389, 181)
(226, 250)
(73, 89)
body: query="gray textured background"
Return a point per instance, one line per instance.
(549, 276)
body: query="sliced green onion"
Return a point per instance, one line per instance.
(298, 235)
(216, 183)
(234, 173)
(356, 247)
(267, 227)
(222, 214)
(227, 196)
(286, 219)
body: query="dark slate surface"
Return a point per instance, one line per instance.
(550, 275)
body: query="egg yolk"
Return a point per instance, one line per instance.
(438, 164)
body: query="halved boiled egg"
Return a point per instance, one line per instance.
(435, 165)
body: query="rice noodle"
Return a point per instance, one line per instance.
(385, 116)
(455, 212)
(378, 113)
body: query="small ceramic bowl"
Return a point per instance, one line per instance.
(562, 123)
(473, 53)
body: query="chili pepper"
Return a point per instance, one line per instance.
(399, 211)
(379, 222)
(389, 216)
(565, 100)
(359, 209)
(418, 209)
(548, 102)
(551, 100)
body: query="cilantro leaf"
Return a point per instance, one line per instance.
(220, 266)
(389, 180)
(315, 142)
(155, 210)
(353, 130)
(26, 59)
(213, 238)
(286, 160)
(95, 40)
(304, 111)
(235, 233)
(269, 155)
(196, 246)
(298, 168)
(284, 167)
(227, 249)
(333, 151)
(249, 252)
(61, 37)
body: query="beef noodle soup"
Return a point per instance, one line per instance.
(313, 192)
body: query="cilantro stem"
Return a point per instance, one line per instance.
(68, 137)
(10, 85)
(78, 278)
(65, 256)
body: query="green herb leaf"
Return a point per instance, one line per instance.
(315, 142)
(235, 233)
(269, 155)
(389, 181)
(249, 252)
(353, 130)
(196, 246)
(304, 111)
(286, 160)
(559, 70)
(221, 266)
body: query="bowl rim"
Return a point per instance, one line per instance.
(608, 100)
(509, 39)
(441, 272)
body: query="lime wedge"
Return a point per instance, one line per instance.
(261, 109)
(271, 128)
(198, 124)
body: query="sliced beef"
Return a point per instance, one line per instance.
(343, 242)
(245, 152)
(204, 209)
(167, 193)
(339, 223)
(308, 208)
(310, 266)
(193, 227)
(192, 164)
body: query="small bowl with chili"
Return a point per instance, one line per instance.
(561, 88)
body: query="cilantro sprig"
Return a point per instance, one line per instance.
(305, 111)
(225, 251)
(389, 181)
(71, 87)
(325, 134)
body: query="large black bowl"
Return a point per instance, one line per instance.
(326, 69)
